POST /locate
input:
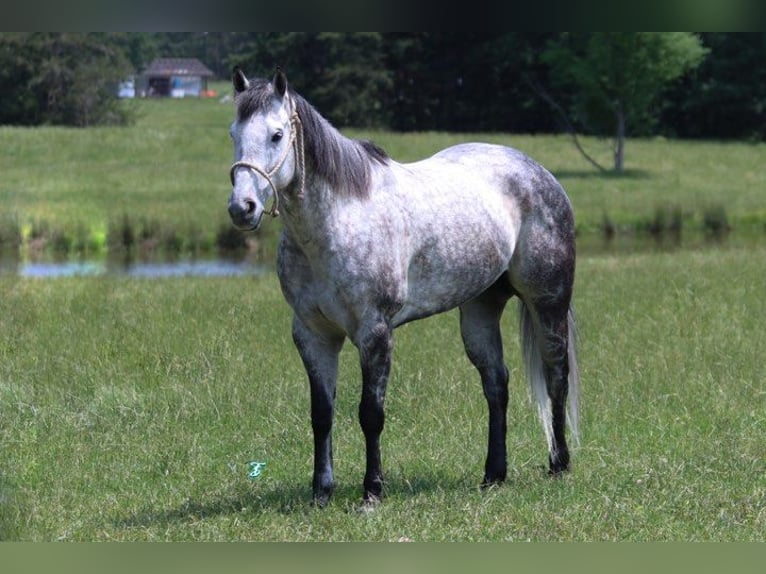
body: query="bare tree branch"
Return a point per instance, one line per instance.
(540, 91)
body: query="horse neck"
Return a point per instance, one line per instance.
(338, 171)
(307, 212)
(343, 163)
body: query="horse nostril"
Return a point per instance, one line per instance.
(239, 210)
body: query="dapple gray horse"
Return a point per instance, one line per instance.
(369, 244)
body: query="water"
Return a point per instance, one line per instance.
(50, 269)
(47, 267)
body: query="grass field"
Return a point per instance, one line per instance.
(169, 175)
(130, 408)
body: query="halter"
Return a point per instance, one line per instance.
(296, 141)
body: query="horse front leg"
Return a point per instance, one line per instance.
(320, 358)
(375, 348)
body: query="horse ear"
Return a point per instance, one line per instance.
(239, 80)
(280, 82)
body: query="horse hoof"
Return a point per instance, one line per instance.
(558, 464)
(320, 501)
(369, 504)
(492, 481)
(558, 471)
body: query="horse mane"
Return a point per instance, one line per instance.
(341, 161)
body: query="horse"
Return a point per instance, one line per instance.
(369, 244)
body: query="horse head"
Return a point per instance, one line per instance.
(265, 135)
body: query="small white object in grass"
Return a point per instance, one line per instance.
(255, 469)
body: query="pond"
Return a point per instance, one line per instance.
(49, 268)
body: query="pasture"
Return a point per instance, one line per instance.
(169, 175)
(129, 410)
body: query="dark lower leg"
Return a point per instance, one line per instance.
(559, 455)
(371, 418)
(556, 376)
(320, 358)
(375, 354)
(495, 383)
(321, 423)
(480, 329)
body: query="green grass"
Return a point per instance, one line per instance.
(129, 409)
(169, 172)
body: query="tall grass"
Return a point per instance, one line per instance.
(130, 408)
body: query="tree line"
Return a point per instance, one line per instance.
(707, 85)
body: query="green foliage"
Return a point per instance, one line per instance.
(618, 76)
(356, 85)
(10, 230)
(62, 78)
(621, 73)
(466, 81)
(342, 74)
(726, 96)
(415, 81)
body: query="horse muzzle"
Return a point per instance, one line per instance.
(245, 213)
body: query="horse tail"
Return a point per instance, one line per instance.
(533, 364)
(574, 376)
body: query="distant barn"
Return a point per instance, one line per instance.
(175, 77)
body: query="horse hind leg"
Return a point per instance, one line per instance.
(480, 329)
(547, 333)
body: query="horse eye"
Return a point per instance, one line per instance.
(277, 136)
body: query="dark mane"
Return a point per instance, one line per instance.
(343, 162)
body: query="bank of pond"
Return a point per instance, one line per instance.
(159, 263)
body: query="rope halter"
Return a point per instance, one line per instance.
(296, 142)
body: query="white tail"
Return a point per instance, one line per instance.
(536, 376)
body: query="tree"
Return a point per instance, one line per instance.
(61, 78)
(355, 83)
(342, 74)
(618, 76)
(467, 81)
(726, 96)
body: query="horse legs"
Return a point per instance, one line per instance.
(320, 358)
(545, 336)
(375, 348)
(480, 329)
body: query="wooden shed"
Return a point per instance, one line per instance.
(174, 77)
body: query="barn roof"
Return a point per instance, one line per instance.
(177, 67)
